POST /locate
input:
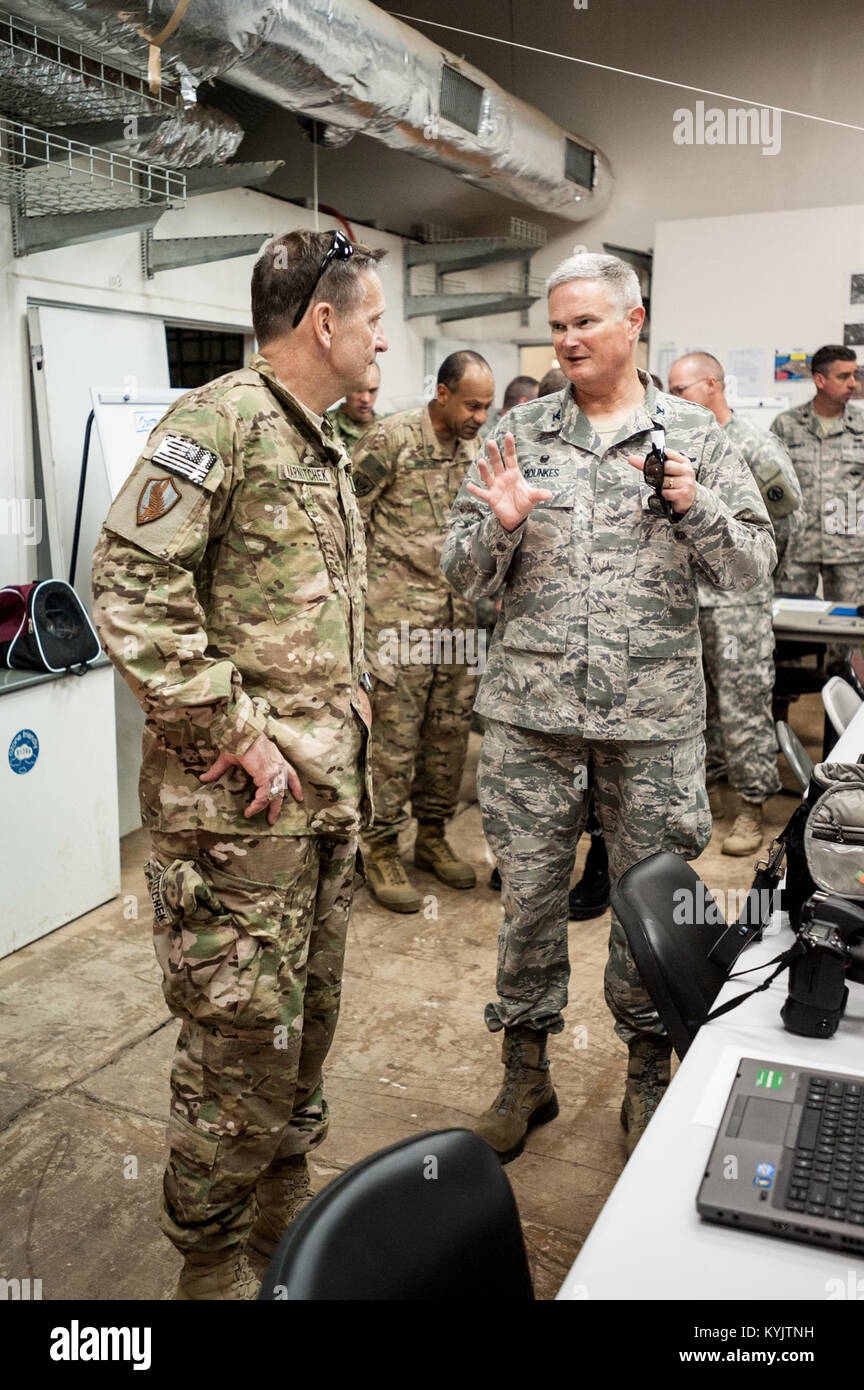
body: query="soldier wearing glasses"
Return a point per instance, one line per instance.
(228, 589)
(595, 661)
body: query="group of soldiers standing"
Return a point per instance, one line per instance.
(271, 620)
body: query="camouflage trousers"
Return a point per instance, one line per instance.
(420, 728)
(840, 584)
(533, 793)
(738, 659)
(250, 934)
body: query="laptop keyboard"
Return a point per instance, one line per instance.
(828, 1164)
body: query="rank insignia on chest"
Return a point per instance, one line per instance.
(299, 473)
(184, 457)
(157, 497)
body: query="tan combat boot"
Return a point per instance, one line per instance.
(526, 1099)
(218, 1275)
(386, 877)
(746, 834)
(282, 1192)
(648, 1070)
(432, 852)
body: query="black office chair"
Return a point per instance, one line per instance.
(671, 954)
(432, 1218)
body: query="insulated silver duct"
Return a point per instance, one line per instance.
(56, 87)
(353, 67)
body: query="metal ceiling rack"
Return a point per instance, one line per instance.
(450, 252)
(63, 191)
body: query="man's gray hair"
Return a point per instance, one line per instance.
(620, 279)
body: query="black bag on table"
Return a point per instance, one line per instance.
(45, 627)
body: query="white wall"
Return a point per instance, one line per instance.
(770, 280)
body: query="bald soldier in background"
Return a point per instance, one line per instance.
(736, 626)
(595, 662)
(356, 415)
(407, 473)
(228, 591)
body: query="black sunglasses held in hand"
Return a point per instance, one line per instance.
(655, 473)
(340, 250)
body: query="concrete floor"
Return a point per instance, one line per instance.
(87, 1044)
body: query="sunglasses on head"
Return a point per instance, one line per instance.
(340, 250)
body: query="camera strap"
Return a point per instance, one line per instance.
(782, 962)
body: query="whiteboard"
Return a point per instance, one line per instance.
(124, 419)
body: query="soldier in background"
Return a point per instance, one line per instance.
(595, 660)
(736, 626)
(519, 390)
(407, 473)
(228, 591)
(356, 415)
(825, 441)
(554, 380)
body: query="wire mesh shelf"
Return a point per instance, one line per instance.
(44, 174)
(54, 81)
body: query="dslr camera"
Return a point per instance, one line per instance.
(831, 951)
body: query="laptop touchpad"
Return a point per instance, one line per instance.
(764, 1119)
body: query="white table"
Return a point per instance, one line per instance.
(649, 1242)
(850, 744)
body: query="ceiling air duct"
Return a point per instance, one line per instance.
(349, 65)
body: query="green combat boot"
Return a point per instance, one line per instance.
(387, 880)
(217, 1275)
(432, 852)
(526, 1099)
(647, 1078)
(282, 1192)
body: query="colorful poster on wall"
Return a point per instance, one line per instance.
(792, 366)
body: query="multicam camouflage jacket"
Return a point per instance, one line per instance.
(228, 590)
(598, 632)
(347, 429)
(830, 470)
(406, 482)
(772, 468)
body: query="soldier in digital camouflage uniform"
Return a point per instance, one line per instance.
(356, 415)
(228, 589)
(596, 660)
(825, 441)
(407, 473)
(736, 626)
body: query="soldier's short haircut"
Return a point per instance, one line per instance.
(287, 267)
(554, 380)
(825, 357)
(517, 388)
(620, 279)
(454, 367)
(705, 361)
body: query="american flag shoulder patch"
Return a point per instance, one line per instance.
(184, 457)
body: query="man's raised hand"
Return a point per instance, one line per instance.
(506, 491)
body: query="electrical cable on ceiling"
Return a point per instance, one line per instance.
(625, 72)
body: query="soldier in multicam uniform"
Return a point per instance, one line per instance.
(356, 415)
(595, 661)
(736, 627)
(228, 590)
(825, 440)
(407, 473)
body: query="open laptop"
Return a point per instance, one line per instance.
(789, 1156)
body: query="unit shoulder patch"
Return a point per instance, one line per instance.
(184, 457)
(156, 498)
